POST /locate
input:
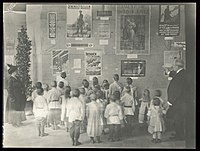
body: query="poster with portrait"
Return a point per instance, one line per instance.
(133, 68)
(93, 63)
(79, 21)
(133, 29)
(169, 20)
(60, 61)
(104, 30)
(170, 57)
(52, 24)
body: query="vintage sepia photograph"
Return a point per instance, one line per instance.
(99, 75)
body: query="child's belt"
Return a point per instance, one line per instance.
(128, 106)
(54, 101)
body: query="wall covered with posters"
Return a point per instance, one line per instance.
(93, 29)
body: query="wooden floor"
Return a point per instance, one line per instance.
(26, 136)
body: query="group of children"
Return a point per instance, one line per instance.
(109, 106)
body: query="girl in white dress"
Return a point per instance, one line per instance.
(156, 122)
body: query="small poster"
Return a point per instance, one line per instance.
(79, 21)
(93, 63)
(133, 68)
(169, 20)
(52, 24)
(104, 30)
(170, 57)
(77, 63)
(60, 59)
(133, 29)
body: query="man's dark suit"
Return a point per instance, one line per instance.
(177, 96)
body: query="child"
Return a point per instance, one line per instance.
(105, 89)
(113, 114)
(93, 113)
(61, 87)
(102, 103)
(84, 100)
(45, 95)
(116, 85)
(117, 97)
(54, 105)
(38, 85)
(64, 99)
(145, 103)
(85, 85)
(40, 110)
(129, 109)
(164, 104)
(156, 123)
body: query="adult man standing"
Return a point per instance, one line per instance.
(177, 97)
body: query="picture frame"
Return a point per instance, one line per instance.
(60, 61)
(79, 21)
(133, 68)
(133, 29)
(93, 63)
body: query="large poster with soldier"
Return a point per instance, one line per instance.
(79, 21)
(133, 34)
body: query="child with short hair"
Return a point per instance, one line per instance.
(40, 110)
(61, 87)
(129, 109)
(84, 100)
(45, 95)
(144, 105)
(93, 113)
(156, 122)
(38, 85)
(102, 103)
(64, 99)
(105, 89)
(113, 114)
(164, 104)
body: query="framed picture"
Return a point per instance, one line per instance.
(170, 57)
(169, 20)
(79, 21)
(133, 29)
(52, 24)
(133, 68)
(60, 61)
(93, 63)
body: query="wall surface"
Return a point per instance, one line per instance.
(111, 63)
